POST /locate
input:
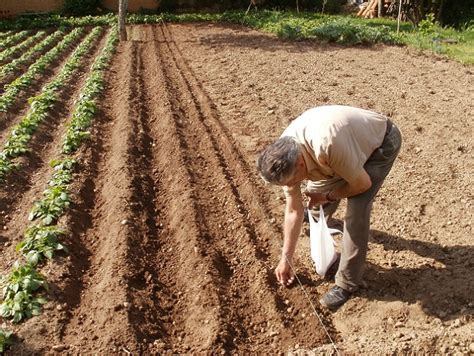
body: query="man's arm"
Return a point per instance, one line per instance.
(359, 184)
(291, 231)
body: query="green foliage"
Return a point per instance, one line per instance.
(24, 81)
(12, 50)
(55, 200)
(40, 243)
(57, 21)
(428, 26)
(347, 32)
(18, 62)
(81, 7)
(12, 39)
(86, 107)
(19, 293)
(5, 340)
(17, 142)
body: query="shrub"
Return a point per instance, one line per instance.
(344, 31)
(81, 7)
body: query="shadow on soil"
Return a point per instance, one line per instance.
(444, 292)
(246, 38)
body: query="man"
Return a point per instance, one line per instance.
(343, 152)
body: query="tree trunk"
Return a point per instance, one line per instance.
(380, 8)
(123, 5)
(439, 15)
(297, 6)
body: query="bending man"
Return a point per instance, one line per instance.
(343, 152)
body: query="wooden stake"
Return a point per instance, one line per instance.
(123, 5)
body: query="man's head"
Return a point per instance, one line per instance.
(278, 162)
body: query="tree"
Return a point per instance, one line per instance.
(123, 5)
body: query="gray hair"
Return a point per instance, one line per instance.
(278, 160)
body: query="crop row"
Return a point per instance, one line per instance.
(24, 81)
(17, 142)
(24, 286)
(17, 63)
(5, 34)
(12, 39)
(21, 46)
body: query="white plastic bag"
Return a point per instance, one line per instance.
(323, 252)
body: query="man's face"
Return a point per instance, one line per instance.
(299, 175)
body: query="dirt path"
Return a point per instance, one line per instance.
(173, 237)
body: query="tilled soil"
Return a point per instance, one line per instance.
(174, 238)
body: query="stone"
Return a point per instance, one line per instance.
(60, 347)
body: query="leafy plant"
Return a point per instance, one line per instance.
(18, 289)
(428, 25)
(344, 31)
(55, 200)
(40, 243)
(22, 305)
(5, 339)
(62, 171)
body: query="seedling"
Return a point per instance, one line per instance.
(40, 243)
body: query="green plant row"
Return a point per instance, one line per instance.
(25, 80)
(12, 39)
(57, 21)
(21, 46)
(40, 105)
(17, 63)
(5, 34)
(86, 107)
(23, 286)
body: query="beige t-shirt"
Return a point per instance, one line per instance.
(336, 142)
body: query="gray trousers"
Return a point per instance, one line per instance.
(357, 220)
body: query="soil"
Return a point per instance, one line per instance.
(173, 237)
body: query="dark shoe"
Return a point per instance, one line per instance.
(336, 297)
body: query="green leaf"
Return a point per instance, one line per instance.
(33, 257)
(49, 254)
(17, 317)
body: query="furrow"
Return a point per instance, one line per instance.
(221, 221)
(185, 314)
(97, 300)
(248, 224)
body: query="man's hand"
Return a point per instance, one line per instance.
(283, 273)
(316, 199)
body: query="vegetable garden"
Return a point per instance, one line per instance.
(132, 219)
